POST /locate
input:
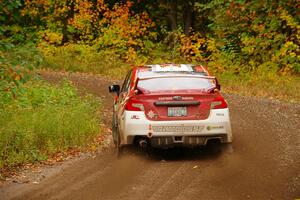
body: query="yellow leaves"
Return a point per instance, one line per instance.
(17, 77)
(285, 16)
(291, 22)
(190, 47)
(131, 55)
(287, 57)
(258, 28)
(132, 42)
(125, 31)
(36, 7)
(51, 37)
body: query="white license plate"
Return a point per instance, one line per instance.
(177, 111)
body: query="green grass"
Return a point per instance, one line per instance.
(285, 88)
(83, 58)
(45, 119)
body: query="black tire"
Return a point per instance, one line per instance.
(114, 131)
(116, 137)
(214, 146)
(118, 146)
(114, 128)
(227, 148)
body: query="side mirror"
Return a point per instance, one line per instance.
(114, 89)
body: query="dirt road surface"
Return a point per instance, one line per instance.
(264, 163)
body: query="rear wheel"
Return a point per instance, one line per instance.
(114, 132)
(214, 146)
(118, 146)
(116, 138)
(227, 148)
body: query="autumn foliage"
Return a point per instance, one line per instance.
(92, 22)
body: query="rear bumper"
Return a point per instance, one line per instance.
(188, 141)
(173, 133)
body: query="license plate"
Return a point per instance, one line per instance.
(177, 111)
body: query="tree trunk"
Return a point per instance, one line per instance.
(172, 15)
(69, 15)
(188, 16)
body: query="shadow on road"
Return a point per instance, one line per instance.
(175, 154)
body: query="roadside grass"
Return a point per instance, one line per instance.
(83, 58)
(284, 88)
(43, 120)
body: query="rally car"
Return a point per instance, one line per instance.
(169, 105)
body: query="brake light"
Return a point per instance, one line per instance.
(218, 103)
(134, 105)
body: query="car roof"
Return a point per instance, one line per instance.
(163, 70)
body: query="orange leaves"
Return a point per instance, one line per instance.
(17, 77)
(79, 19)
(125, 31)
(118, 28)
(86, 15)
(191, 47)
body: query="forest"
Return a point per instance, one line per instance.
(252, 46)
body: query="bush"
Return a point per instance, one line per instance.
(45, 119)
(83, 58)
(16, 68)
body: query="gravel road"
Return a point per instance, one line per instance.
(264, 163)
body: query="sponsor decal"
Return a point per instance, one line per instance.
(172, 68)
(165, 98)
(151, 114)
(178, 129)
(214, 127)
(135, 117)
(187, 98)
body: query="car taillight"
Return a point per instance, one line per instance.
(134, 105)
(218, 103)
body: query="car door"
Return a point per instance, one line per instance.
(123, 97)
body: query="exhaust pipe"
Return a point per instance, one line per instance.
(143, 143)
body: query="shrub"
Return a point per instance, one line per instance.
(83, 58)
(16, 67)
(43, 120)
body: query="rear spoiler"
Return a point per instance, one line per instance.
(178, 75)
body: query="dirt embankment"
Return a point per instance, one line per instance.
(264, 164)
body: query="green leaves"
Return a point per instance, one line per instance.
(257, 32)
(16, 69)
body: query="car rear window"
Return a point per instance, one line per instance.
(174, 83)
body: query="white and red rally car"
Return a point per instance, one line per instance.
(169, 105)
